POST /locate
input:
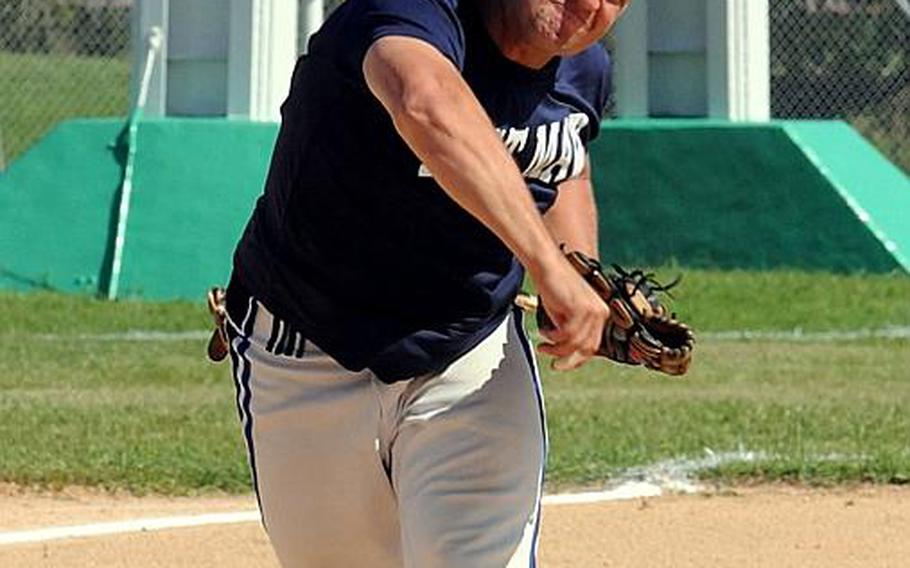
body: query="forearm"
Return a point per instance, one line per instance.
(573, 218)
(445, 126)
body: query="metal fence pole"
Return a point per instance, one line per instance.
(2, 153)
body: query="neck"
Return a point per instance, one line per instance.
(503, 23)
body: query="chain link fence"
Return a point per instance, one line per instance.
(60, 59)
(847, 59)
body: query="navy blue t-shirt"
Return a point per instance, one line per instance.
(353, 242)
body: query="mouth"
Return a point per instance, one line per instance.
(575, 25)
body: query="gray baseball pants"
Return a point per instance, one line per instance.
(443, 470)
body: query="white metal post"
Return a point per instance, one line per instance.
(263, 39)
(630, 62)
(739, 83)
(149, 14)
(311, 18)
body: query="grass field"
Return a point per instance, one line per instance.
(38, 91)
(82, 407)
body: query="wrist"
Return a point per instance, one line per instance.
(546, 260)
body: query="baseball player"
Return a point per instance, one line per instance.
(430, 152)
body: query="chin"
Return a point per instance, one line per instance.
(578, 43)
(570, 51)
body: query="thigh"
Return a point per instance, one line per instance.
(311, 430)
(468, 459)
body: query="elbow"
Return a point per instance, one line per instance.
(415, 84)
(425, 105)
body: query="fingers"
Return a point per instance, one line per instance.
(566, 356)
(577, 315)
(571, 362)
(568, 346)
(575, 341)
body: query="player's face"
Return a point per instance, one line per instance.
(566, 27)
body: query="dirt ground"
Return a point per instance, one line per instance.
(751, 527)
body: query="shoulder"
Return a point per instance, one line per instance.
(594, 60)
(589, 74)
(356, 25)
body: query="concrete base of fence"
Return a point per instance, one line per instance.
(700, 193)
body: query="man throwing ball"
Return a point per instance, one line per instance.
(431, 152)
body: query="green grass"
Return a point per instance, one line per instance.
(780, 300)
(713, 300)
(147, 416)
(135, 415)
(38, 91)
(820, 412)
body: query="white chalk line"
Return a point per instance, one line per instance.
(665, 477)
(138, 335)
(251, 516)
(797, 335)
(892, 332)
(123, 527)
(238, 517)
(625, 491)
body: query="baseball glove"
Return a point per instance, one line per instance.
(640, 331)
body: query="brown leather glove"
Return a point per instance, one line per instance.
(640, 330)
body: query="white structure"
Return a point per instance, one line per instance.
(694, 58)
(312, 13)
(234, 58)
(230, 58)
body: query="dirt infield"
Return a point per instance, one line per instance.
(767, 526)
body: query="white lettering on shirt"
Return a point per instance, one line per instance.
(558, 149)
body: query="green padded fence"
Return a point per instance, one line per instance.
(717, 194)
(56, 208)
(877, 191)
(700, 193)
(195, 185)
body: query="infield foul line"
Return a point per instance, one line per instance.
(654, 480)
(130, 526)
(190, 521)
